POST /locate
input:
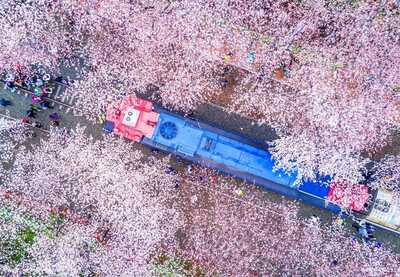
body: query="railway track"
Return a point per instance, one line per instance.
(59, 98)
(25, 123)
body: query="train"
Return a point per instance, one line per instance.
(141, 121)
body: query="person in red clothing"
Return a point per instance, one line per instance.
(25, 120)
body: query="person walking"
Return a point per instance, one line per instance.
(54, 123)
(35, 107)
(11, 86)
(36, 124)
(102, 118)
(44, 105)
(4, 102)
(370, 228)
(30, 113)
(25, 120)
(54, 119)
(54, 116)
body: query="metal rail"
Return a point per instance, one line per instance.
(61, 104)
(25, 123)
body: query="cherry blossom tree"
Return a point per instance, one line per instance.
(386, 173)
(313, 79)
(335, 98)
(305, 68)
(153, 52)
(104, 208)
(6, 144)
(107, 194)
(245, 235)
(35, 32)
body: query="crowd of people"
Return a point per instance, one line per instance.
(40, 88)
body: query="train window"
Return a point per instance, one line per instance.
(382, 205)
(131, 117)
(208, 144)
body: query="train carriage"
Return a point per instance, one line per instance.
(140, 121)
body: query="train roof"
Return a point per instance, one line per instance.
(132, 118)
(190, 138)
(138, 120)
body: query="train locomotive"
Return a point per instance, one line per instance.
(140, 121)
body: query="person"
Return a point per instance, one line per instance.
(189, 114)
(29, 82)
(226, 71)
(54, 123)
(25, 120)
(170, 170)
(37, 92)
(36, 124)
(46, 77)
(102, 118)
(44, 105)
(36, 99)
(4, 102)
(10, 77)
(362, 230)
(377, 244)
(239, 191)
(35, 107)
(30, 113)
(39, 82)
(11, 86)
(224, 83)
(19, 82)
(46, 91)
(370, 228)
(251, 57)
(54, 117)
(314, 218)
(339, 220)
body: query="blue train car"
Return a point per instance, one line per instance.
(232, 154)
(138, 120)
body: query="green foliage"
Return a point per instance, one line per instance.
(165, 266)
(28, 236)
(54, 223)
(16, 249)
